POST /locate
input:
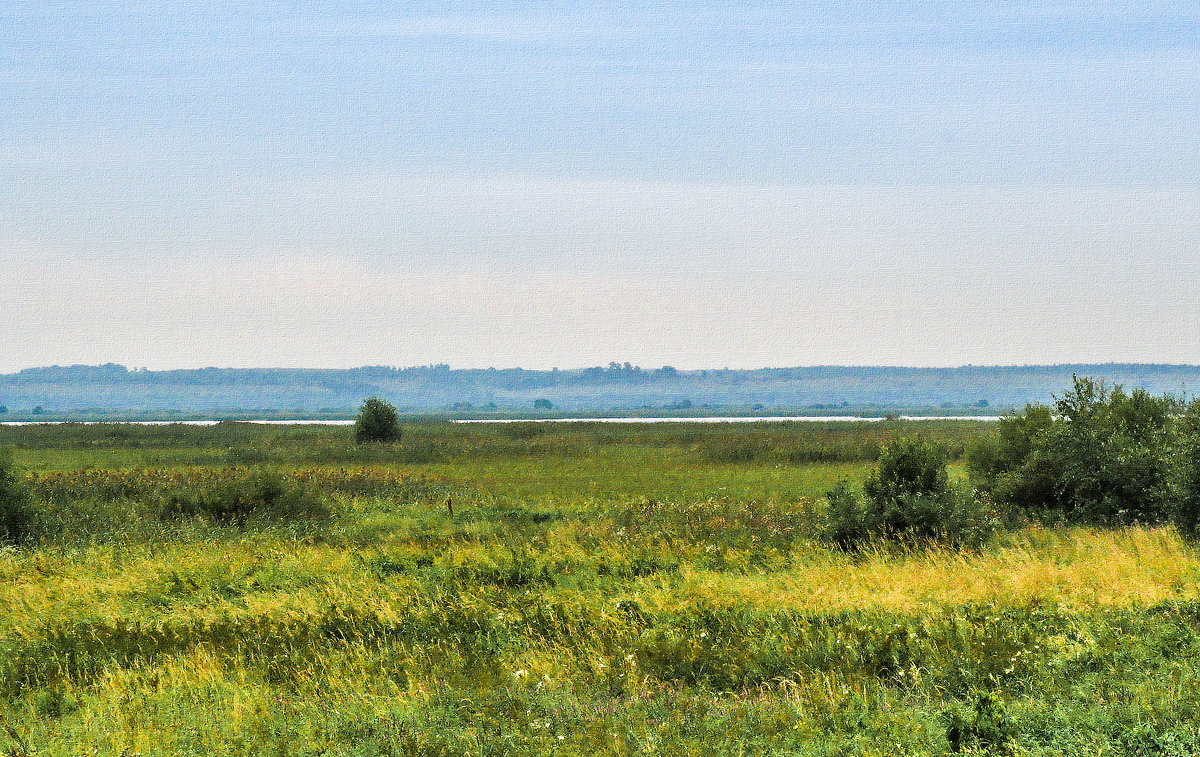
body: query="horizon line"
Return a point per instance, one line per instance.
(603, 366)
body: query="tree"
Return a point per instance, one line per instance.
(377, 421)
(543, 404)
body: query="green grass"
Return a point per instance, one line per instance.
(590, 590)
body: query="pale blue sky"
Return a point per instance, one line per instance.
(538, 184)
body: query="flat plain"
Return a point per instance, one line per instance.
(561, 589)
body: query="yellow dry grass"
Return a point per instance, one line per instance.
(1080, 568)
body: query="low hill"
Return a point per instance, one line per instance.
(81, 390)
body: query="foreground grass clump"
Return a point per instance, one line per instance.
(605, 595)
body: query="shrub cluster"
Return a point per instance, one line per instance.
(1097, 455)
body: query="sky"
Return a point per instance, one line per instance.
(539, 184)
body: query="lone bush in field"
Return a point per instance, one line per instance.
(377, 421)
(16, 515)
(909, 497)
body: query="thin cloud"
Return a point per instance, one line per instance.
(503, 29)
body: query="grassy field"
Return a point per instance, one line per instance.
(563, 589)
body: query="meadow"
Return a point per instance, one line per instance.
(565, 589)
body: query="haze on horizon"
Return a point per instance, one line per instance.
(562, 184)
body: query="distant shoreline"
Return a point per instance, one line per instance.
(610, 419)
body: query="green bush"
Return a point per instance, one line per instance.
(377, 421)
(1013, 465)
(1185, 474)
(236, 500)
(16, 514)
(910, 466)
(1111, 452)
(845, 517)
(1098, 456)
(908, 497)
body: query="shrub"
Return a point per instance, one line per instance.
(1185, 475)
(845, 519)
(908, 466)
(909, 497)
(1110, 451)
(1013, 466)
(16, 515)
(377, 421)
(261, 495)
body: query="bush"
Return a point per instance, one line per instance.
(908, 497)
(910, 466)
(377, 421)
(1013, 466)
(16, 515)
(236, 500)
(1185, 474)
(845, 517)
(1098, 456)
(1111, 453)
